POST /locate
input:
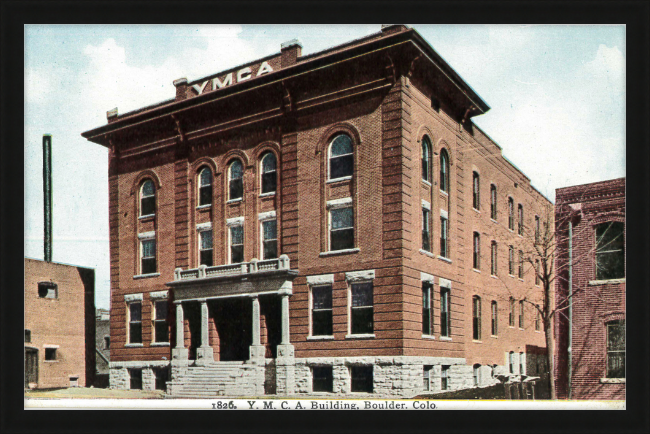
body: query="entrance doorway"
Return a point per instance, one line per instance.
(31, 366)
(233, 319)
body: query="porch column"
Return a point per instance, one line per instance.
(285, 362)
(257, 351)
(180, 353)
(204, 353)
(285, 292)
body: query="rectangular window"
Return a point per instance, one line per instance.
(522, 364)
(493, 258)
(511, 316)
(538, 320)
(28, 335)
(426, 246)
(511, 260)
(512, 362)
(537, 272)
(520, 225)
(521, 264)
(321, 311)
(493, 202)
(107, 342)
(426, 309)
(521, 314)
(444, 377)
(426, 377)
(610, 251)
(322, 379)
(511, 214)
(205, 248)
(476, 374)
(135, 323)
(48, 290)
(361, 379)
(162, 377)
(161, 327)
(135, 382)
(148, 255)
(476, 318)
(536, 229)
(445, 329)
(362, 308)
(444, 237)
(236, 244)
(477, 251)
(50, 353)
(341, 229)
(495, 319)
(616, 349)
(270, 234)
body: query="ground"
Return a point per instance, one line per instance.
(91, 393)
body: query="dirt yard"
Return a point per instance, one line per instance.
(92, 393)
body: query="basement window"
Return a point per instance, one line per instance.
(162, 377)
(362, 379)
(426, 377)
(48, 290)
(322, 379)
(135, 379)
(50, 354)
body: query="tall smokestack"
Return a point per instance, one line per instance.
(47, 196)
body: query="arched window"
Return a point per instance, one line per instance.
(477, 251)
(236, 180)
(147, 198)
(444, 171)
(426, 159)
(495, 318)
(341, 157)
(511, 214)
(476, 191)
(269, 173)
(493, 258)
(493, 202)
(205, 187)
(476, 368)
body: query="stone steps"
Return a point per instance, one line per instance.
(207, 381)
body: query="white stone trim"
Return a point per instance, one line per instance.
(321, 279)
(158, 295)
(356, 276)
(444, 213)
(204, 226)
(426, 205)
(235, 221)
(444, 283)
(147, 235)
(339, 203)
(132, 297)
(339, 252)
(612, 380)
(50, 346)
(269, 215)
(606, 282)
(138, 364)
(426, 277)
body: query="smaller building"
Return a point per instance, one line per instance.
(59, 325)
(102, 347)
(590, 264)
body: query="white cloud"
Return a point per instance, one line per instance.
(37, 86)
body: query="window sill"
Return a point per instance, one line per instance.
(320, 338)
(51, 361)
(477, 341)
(344, 178)
(133, 345)
(476, 270)
(159, 344)
(442, 258)
(425, 182)
(493, 276)
(494, 221)
(606, 282)
(445, 338)
(429, 254)
(494, 336)
(478, 211)
(364, 336)
(147, 217)
(444, 193)
(202, 207)
(145, 276)
(521, 279)
(234, 200)
(428, 337)
(269, 194)
(338, 252)
(612, 380)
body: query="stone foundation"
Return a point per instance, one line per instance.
(119, 377)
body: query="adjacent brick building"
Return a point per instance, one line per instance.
(318, 223)
(59, 325)
(590, 335)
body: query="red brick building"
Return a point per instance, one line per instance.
(332, 222)
(59, 325)
(590, 335)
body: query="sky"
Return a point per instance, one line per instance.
(557, 98)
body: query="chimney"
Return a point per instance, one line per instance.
(47, 196)
(291, 51)
(181, 88)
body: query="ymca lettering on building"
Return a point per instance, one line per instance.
(300, 224)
